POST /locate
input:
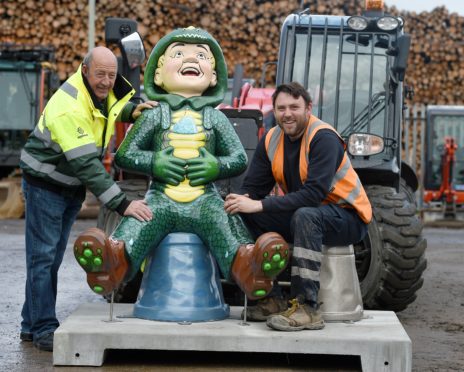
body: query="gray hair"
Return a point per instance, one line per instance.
(88, 59)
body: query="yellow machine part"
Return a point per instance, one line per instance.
(11, 198)
(12, 201)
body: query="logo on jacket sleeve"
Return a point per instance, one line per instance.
(81, 133)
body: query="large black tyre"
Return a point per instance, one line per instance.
(390, 260)
(108, 221)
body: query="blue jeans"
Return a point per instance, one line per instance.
(49, 218)
(308, 228)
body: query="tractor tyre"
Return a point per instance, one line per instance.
(108, 221)
(391, 259)
(407, 190)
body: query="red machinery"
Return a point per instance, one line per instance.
(446, 193)
(444, 164)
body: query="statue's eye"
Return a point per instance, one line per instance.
(201, 55)
(178, 54)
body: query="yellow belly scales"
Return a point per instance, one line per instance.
(186, 146)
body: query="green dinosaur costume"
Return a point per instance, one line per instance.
(184, 144)
(183, 208)
(184, 128)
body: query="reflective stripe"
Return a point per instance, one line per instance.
(35, 164)
(109, 194)
(77, 152)
(68, 88)
(300, 252)
(273, 143)
(49, 170)
(311, 129)
(341, 173)
(46, 136)
(353, 195)
(305, 273)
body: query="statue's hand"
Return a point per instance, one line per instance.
(167, 168)
(202, 169)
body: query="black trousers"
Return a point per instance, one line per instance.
(308, 229)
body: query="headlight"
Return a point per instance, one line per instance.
(388, 23)
(362, 144)
(357, 23)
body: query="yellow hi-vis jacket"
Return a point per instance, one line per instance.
(69, 141)
(345, 190)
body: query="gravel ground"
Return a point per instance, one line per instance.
(434, 322)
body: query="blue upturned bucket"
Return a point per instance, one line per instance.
(181, 283)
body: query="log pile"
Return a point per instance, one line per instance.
(436, 62)
(248, 31)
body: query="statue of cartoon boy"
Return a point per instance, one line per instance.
(184, 144)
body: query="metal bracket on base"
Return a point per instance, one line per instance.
(245, 307)
(111, 319)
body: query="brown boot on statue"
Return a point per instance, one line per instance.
(257, 265)
(102, 258)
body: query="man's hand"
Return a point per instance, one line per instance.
(242, 204)
(142, 106)
(139, 210)
(167, 168)
(203, 169)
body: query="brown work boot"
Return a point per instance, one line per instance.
(296, 318)
(265, 307)
(102, 258)
(257, 265)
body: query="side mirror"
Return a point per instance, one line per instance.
(133, 50)
(401, 60)
(117, 28)
(123, 32)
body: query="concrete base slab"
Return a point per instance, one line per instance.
(379, 338)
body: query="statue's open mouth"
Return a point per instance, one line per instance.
(190, 71)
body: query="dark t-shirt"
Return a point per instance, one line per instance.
(325, 157)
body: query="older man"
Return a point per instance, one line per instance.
(62, 158)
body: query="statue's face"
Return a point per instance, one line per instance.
(187, 69)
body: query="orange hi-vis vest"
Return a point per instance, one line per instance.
(345, 190)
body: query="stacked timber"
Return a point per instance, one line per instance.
(248, 31)
(436, 62)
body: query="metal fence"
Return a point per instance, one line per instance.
(414, 122)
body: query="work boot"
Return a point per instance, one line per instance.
(264, 308)
(102, 258)
(257, 265)
(25, 336)
(44, 343)
(296, 318)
